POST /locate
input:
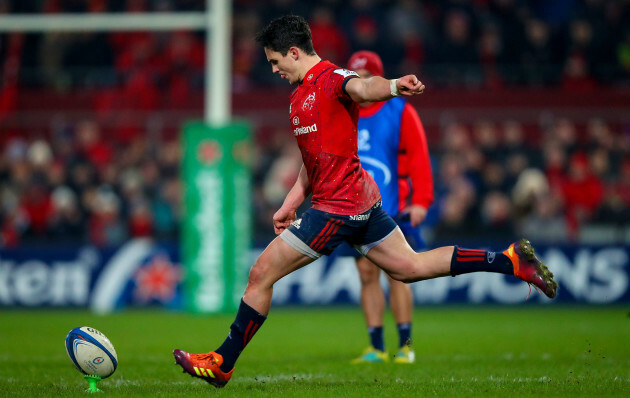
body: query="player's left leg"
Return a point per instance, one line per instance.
(216, 367)
(393, 254)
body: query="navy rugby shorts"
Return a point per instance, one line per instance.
(318, 233)
(412, 235)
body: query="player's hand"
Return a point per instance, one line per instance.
(417, 214)
(282, 219)
(409, 85)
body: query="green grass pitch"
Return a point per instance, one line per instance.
(520, 351)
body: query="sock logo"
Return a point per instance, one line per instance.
(491, 256)
(249, 332)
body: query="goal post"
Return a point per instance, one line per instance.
(216, 21)
(224, 225)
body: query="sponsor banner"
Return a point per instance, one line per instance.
(144, 273)
(140, 273)
(593, 275)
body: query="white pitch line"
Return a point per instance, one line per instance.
(541, 379)
(287, 377)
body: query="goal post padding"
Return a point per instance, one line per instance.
(217, 226)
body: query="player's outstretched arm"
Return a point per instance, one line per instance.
(376, 88)
(296, 196)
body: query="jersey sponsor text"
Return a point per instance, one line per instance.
(307, 129)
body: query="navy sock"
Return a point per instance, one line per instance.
(404, 334)
(246, 324)
(465, 261)
(376, 337)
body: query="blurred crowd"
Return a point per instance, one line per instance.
(492, 181)
(79, 188)
(80, 182)
(552, 185)
(574, 44)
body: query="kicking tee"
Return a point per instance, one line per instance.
(324, 121)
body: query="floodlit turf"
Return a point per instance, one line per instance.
(536, 351)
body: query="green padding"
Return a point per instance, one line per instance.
(216, 230)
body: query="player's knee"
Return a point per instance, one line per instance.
(368, 275)
(397, 276)
(406, 271)
(368, 272)
(259, 272)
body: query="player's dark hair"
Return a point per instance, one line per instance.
(286, 32)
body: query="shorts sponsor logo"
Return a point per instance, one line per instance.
(360, 217)
(304, 130)
(297, 223)
(491, 256)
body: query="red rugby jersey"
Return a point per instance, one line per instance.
(324, 121)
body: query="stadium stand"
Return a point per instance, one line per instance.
(526, 112)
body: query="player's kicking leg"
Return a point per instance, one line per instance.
(396, 257)
(216, 367)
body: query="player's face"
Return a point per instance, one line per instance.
(283, 65)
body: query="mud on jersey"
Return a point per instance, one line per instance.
(324, 121)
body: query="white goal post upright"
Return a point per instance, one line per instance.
(216, 21)
(218, 98)
(216, 161)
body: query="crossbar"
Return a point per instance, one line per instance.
(103, 22)
(216, 21)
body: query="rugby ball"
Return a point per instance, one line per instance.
(91, 352)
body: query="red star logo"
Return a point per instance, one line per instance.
(208, 152)
(158, 280)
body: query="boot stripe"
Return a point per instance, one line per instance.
(201, 372)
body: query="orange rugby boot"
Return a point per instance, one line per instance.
(530, 269)
(204, 366)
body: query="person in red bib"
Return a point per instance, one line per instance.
(346, 201)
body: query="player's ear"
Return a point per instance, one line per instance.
(294, 53)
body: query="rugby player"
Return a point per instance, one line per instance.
(346, 203)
